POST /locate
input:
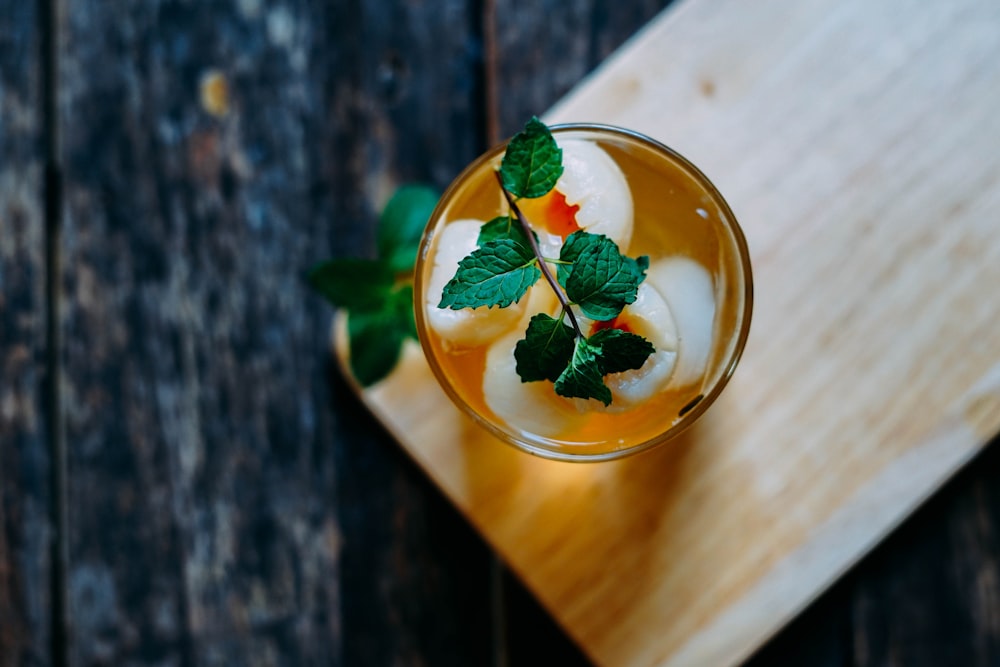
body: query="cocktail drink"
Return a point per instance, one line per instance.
(609, 328)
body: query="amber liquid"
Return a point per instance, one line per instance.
(674, 214)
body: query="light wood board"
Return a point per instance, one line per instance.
(859, 146)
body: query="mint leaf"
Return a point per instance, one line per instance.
(497, 274)
(354, 284)
(533, 161)
(402, 224)
(503, 227)
(376, 335)
(545, 350)
(579, 241)
(583, 377)
(570, 252)
(620, 350)
(603, 281)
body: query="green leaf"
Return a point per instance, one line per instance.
(503, 227)
(545, 350)
(583, 377)
(354, 284)
(620, 350)
(402, 224)
(376, 336)
(570, 252)
(579, 241)
(533, 161)
(402, 307)
(603, 281)
(497, 274)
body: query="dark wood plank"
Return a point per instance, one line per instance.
(545, 48)
(821, 636)
(532, 637)
(24, 497)
(414, 576)
(930, 595)
(231, 503)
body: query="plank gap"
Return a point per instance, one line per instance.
(48, 24)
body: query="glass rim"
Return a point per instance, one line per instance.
(728, 367)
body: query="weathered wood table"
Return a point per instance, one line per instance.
(185, 479)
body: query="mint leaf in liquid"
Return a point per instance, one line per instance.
(620, 350)
(582, 378)
(602, 280)
(497, 274)
(503, 227)
(545, 350)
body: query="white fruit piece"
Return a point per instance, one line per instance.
(648, 316)
(687, 287)
(466, 326)
(592, 180)
(539, 299)
(532, 407)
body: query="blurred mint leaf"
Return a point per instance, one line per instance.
(376, 335)
(582, 378)
(532, 163)
(620, 350)
(497, 274)
(401, 225)
(379, 307)
(545, 350)
(354, 284)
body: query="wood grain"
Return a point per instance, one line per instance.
(404, 556)
(230, 504)
(24, 493)
(926, 596)
(871, 374)
(949, 590)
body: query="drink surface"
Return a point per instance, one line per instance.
(676, 213)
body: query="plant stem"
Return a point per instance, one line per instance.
(542, 264)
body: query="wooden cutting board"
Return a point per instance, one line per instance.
(859, 145)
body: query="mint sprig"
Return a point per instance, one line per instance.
(550, 350)
(378, 293)
(591, 274)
